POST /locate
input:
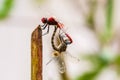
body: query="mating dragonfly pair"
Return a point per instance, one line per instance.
(64, 39)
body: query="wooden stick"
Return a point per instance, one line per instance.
(36, 54)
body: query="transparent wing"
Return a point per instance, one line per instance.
(67, 54)
(60, 63)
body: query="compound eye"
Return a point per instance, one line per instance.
(44, 20)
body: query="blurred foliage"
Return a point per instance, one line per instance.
(101, 60)
(90, 17)
(98, 64)
(7, 5)
(116, 62)
(39, 2)
(90, 20)
(107, 35)
(109, 13)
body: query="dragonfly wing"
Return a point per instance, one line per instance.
(60, 63)
(68, 54)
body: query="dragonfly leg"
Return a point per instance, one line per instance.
(47, 31)
(44, 26)
(61, 64)
(49, 61)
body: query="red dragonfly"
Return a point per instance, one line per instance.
(52, 21)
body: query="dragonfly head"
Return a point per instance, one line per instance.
(44, 20)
